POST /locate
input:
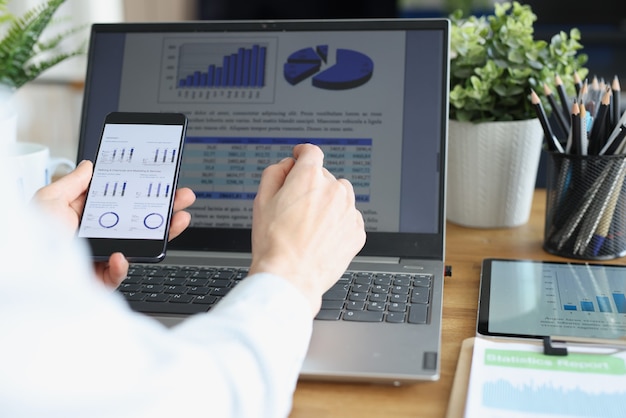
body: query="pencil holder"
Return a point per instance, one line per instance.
(586, 206)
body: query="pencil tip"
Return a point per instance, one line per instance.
(585, 88)
(533, 97)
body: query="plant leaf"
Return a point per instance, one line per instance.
(22, 55)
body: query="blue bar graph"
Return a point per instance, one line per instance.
(620, 302)
(254, 63)
(246, 67)
(243, 68)
(211, 76)
(604, 305)
(239, 74)
(260, 77)
(225, 70)
(586, 306)
(232, 68)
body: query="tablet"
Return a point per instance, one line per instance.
(534, 299)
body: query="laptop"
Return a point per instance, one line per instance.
(373, 94)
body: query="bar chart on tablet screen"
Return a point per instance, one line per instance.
(592, 291)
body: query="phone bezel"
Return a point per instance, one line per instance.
(140, 250)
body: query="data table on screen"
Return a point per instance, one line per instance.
(231, 168)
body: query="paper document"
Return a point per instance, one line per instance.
(517, 380)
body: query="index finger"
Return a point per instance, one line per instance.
(308, 154)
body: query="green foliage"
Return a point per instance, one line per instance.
(23, 56)
(495, 61)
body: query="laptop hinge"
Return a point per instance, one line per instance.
(376, 260)
(209, 254)
(411, 261)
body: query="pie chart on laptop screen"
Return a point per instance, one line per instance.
(351, 68)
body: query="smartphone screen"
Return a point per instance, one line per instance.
(130, 199)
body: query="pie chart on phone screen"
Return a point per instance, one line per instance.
(351, 68)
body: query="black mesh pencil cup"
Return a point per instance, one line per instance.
(586, 206)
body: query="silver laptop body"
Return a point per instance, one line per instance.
(371, 93)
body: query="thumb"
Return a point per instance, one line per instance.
(73, 184)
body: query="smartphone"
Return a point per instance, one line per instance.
(130, 198)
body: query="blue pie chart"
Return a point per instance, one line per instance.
(108, 219)
(351, 69)
(153, 220)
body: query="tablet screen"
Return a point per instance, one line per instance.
(521, 298)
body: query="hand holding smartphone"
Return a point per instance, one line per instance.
(130, 198)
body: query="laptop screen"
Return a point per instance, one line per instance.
(372, 94)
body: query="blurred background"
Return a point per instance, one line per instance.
(49, 107)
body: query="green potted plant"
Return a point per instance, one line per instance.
(24, 55)
(495, 61)
(495, 138)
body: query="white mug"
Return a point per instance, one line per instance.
(8, 115)
(8, 126)
(33, 167)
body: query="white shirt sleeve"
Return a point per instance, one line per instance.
(71, 348)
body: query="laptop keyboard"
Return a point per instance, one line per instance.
(177, 289)
(377, 297)
(357, 296)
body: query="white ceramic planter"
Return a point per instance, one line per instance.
(492, 169)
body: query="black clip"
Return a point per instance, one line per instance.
(550, 350)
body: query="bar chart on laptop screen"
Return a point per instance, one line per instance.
(218, 71)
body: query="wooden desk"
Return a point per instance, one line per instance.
(465, 250)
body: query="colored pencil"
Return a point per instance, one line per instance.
(552, 141)
(578, 83)
(560, 88)
(615, 102)
(576, 139)
(597, 136)
(556, 111)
